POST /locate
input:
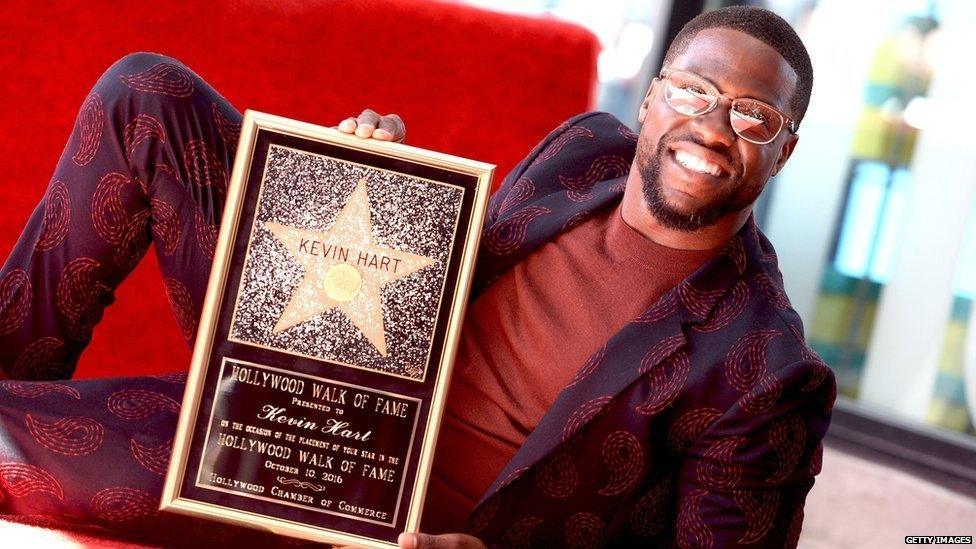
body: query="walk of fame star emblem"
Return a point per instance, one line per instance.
(345, 269)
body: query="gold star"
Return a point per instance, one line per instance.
(344, 269)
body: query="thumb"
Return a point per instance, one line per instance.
(409, 540)
(414, 541)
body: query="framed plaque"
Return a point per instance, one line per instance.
(330, 324)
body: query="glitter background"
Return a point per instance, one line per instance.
(307, 191)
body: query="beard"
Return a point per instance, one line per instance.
(733, 198)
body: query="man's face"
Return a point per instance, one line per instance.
(681, 197)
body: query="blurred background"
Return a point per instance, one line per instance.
(874, 220)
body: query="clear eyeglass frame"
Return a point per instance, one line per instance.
(742, 110)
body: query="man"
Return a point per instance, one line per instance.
(630, 371)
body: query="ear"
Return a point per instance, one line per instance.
(784, 153)
(648, 99)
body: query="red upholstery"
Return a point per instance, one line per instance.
(467, 81)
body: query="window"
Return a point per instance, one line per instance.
(874, 217)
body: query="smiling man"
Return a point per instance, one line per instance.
(700, 172)
(697, 415)
(630, 371)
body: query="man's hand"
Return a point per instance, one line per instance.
(443, 541)
(371, 124)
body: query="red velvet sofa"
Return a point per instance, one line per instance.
(466, 81)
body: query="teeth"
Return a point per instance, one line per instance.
(697, 164)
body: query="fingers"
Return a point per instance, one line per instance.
(370, 124)
(391, 128)
(348, 125)
(368, 120)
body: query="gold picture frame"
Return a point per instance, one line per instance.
(328, 332)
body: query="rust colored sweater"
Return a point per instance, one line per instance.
(525, 338)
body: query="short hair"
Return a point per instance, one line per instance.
(763, 25)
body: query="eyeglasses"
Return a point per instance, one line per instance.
(752, 120)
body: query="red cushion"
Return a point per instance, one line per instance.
(467, 81)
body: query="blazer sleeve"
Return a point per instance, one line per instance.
(745, 479)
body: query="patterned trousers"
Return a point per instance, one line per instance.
(147, 163)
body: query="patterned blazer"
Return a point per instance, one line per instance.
(698, 424)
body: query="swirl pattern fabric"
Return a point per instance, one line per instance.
(95, 452)
(68, 455)
(147, 164)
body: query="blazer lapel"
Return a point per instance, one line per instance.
(578, 170)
